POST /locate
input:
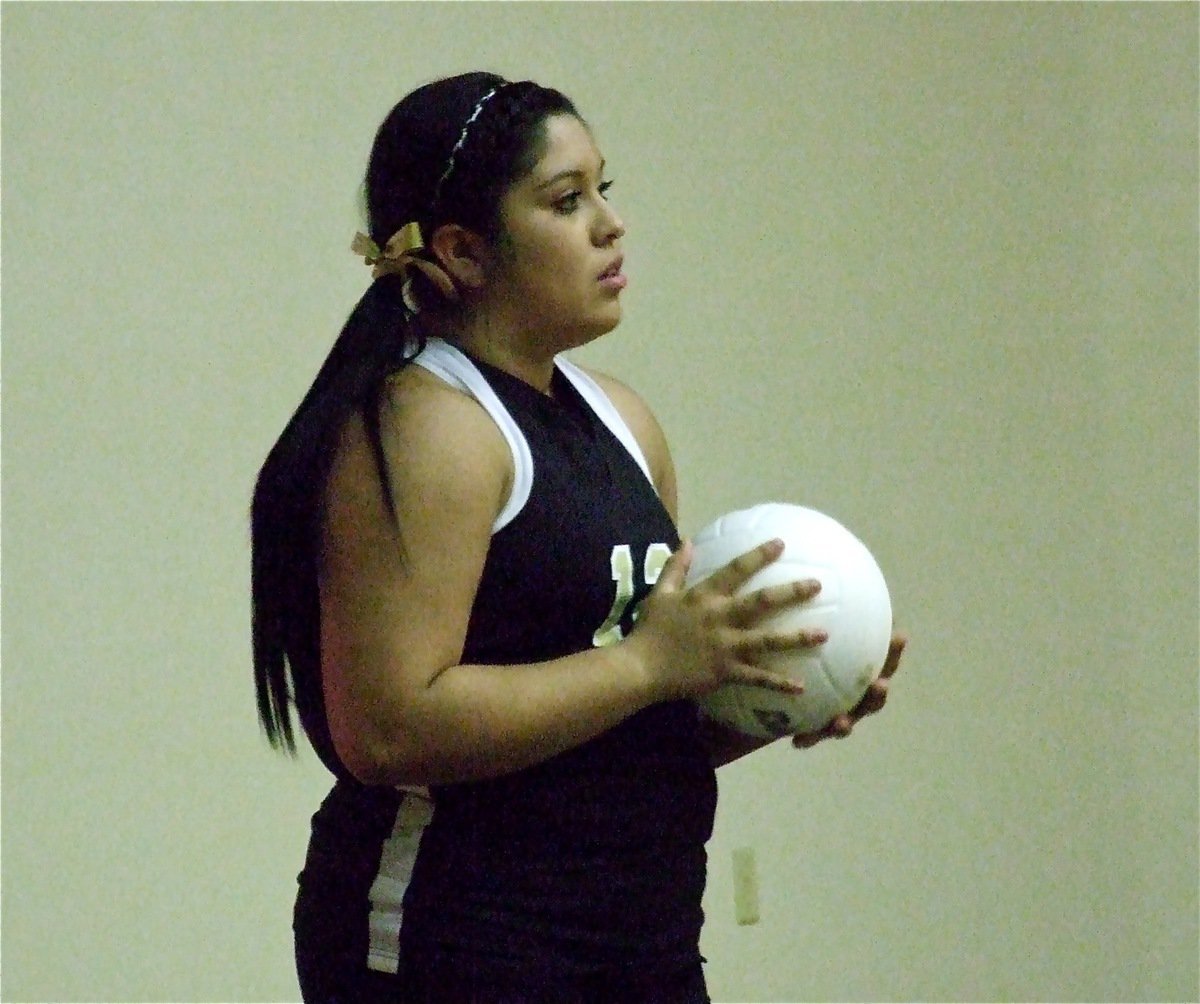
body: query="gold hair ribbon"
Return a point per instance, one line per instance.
(400, 254)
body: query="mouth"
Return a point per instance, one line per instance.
(613, 270)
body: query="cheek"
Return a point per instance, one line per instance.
(546, 263)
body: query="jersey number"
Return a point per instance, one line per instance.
(612, 631)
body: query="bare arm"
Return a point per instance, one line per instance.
(394, 612)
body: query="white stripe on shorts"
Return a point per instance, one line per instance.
(395, 870)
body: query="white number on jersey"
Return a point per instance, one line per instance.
(611, 631)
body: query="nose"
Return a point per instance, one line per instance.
(610, 227)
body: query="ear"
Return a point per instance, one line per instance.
(462, 254)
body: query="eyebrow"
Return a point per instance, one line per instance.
(575, 172)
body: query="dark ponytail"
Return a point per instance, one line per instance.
(408, 159)
(286, 512)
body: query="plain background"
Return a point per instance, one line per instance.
(930, 268)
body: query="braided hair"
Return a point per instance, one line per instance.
(446, 153)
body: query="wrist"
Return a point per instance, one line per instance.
(644, 668)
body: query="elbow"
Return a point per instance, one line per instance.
(402, 740)
(367, 765)
(374, 753)
(413, 756)
(371, 734)
(379, 763)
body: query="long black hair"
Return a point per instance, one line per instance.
(429, 166)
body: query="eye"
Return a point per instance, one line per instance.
(568, 203)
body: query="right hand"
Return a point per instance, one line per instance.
(694, 640)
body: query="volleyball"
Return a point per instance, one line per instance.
(853, 607)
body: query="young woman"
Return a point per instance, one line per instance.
(450, 541)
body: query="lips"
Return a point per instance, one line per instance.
(613, 270)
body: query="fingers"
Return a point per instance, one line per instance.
(877, 693)
(839, 728)
(754, 606)
(872, 701)
(758, 643)
(751, 676)
(744, 610)
(746, 663)
(731, 577)
(723, 625)
(892, 662)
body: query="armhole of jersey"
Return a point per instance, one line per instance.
(606, 411)
(449, 364)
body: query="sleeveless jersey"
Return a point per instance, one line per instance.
(593, 859)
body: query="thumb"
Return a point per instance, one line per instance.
(674, 573)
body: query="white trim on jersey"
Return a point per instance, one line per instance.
(444, 360)
(605, 410)
(450, 364)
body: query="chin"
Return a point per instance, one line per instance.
(611, 317)
(570, 331)
(604, 325)
(587, 328)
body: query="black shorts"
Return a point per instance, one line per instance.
(448, 982)
(331, 963)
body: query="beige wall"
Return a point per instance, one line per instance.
(929, 268)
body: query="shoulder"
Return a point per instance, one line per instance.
(629, 403)
(424, 410)
(443, 451)
(645, 428)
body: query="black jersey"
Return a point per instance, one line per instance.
(593, 859)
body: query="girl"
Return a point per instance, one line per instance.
(450, 540)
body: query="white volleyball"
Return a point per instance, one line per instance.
(853, 607)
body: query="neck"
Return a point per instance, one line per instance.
(507, 350)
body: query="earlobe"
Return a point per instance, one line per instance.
(461, 253)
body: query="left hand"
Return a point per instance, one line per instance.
(872, 701)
